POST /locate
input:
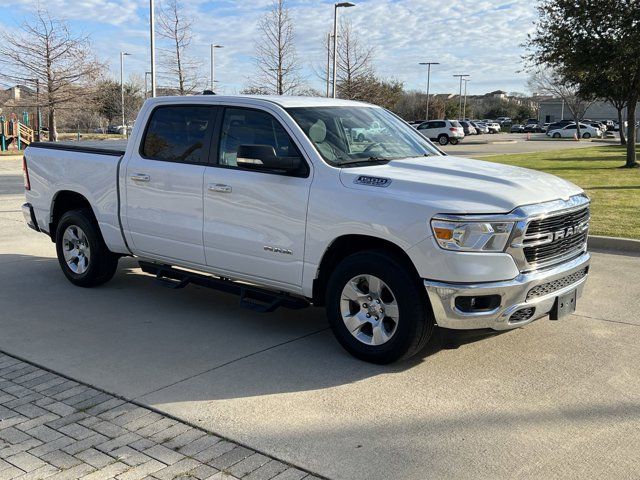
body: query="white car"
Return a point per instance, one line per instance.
(494, 127)
(442, 131)
(570, 131)
(270, 198)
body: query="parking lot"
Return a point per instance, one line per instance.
(507, 143)
(550, 400)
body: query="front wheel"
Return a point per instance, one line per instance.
(556, 135)
(83, 256)
(443, 139)
(586, 135)
(377, 307)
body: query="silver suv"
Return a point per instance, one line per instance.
(442, 131)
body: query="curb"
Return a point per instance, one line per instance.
(621, 245)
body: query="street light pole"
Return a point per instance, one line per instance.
(428, 64)
(464, 109)
(460, 95)
(146, 89)
(122, 55)
(152, 32)
(213, 78)
(328, 61)
(335, 40)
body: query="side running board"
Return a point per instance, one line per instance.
(251, 297)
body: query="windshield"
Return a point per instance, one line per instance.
(360, 135)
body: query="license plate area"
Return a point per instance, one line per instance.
(565, 305)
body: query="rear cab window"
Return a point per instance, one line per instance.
(178, 133)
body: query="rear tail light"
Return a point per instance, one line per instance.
(453, 129)
(25, 173)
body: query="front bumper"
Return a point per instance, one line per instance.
(29, 216)
(515, 297)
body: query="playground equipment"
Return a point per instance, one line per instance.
(15, 134)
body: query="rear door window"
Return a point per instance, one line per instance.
(179, 134)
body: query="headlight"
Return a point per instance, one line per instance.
(472, 236)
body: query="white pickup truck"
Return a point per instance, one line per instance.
(271, 198)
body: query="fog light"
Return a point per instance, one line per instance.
(480, 303)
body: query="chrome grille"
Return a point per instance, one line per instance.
(556, 238)
(555, 285)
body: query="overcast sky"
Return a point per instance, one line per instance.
(478, 37)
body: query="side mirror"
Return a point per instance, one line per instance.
(263, 157)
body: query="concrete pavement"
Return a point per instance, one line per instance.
(551, 400)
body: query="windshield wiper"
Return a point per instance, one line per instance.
(364, 162)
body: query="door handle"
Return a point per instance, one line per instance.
(219, 188)
(140, 177)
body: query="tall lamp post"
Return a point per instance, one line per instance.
(464, 108)
(152, 34)
(122, 55)
(146, 89)
(461, 75)
(335, 39)
(213, 63)
(428, 64)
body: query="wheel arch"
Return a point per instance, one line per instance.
(62, 202)
(345, 245)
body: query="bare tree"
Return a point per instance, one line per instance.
(46, 53)
(176, 27)
(354, 65)
(276, 57)
(552, 83)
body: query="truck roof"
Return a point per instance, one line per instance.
(284, 101)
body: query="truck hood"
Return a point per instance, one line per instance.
(460, 185)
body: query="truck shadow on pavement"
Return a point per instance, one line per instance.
(135, 338)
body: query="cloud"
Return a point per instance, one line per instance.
(478, 37)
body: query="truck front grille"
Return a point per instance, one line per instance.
(557, 237)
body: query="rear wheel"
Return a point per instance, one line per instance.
(443, 139)
(556, 135)
(586, 135)
(83, 256)
(377, 308)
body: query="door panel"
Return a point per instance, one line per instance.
(164, 214)
(261, 210)
(163, 208)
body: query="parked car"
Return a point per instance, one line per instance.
(569, 131)
(609, 124)
(442, 131)
(360, 134)
(269, 198)
(468, 128)
(532, 121)
(480, 127)
(559, 124)
(517, 128)
(532, 128)
(545, 126)
(494, 127)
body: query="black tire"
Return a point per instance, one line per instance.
(556, 135)
(454, 141)
(443, 139)
(586, 135)
(102, 263)
(415, 324)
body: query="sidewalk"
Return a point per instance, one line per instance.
(55, 428)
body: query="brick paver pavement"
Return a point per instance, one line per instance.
(56, 428)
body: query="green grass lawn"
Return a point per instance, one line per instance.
(614, 191)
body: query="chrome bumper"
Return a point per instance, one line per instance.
(513, 295)
(29, 216)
